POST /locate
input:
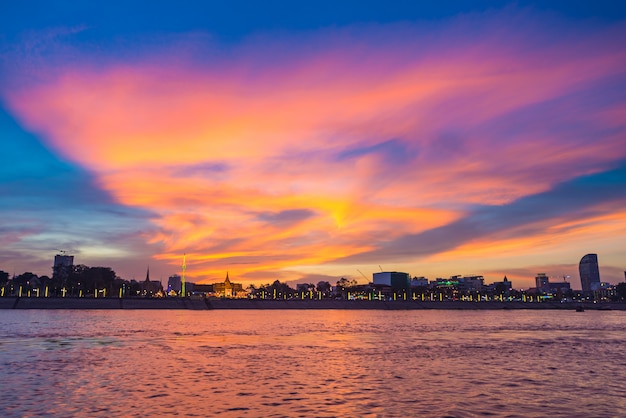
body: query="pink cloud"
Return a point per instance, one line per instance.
(485, 120)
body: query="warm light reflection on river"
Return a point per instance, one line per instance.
(312, 363)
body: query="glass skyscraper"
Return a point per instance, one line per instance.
(589, 272)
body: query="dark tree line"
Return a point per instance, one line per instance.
(79, 280)
(279, 290)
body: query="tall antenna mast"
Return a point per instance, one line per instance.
(183, 278)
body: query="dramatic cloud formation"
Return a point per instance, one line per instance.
(434, 148)
(581, 198)
(49, 205)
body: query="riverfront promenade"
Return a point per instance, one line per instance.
(208, 304)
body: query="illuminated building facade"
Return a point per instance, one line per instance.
(227, 289)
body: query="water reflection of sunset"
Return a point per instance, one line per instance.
(309, 362)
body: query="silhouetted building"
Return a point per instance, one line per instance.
(202, 289)
(394, 279)
(150, 288)
(560, 286)
(419, 282)
(4, 277)
(174, 285)
(503, 287)
(63, 260)
(589, 273)
(542, 282)
(63, 266)
(442, 283)
(471, 283)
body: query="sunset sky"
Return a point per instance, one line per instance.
(308, 141)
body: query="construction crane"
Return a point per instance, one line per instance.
(362, 274)
(381, 269)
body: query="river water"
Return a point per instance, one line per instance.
(328, 363)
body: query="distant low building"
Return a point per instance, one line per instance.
(419, 282)
(503, 287)
(443, 283)
(471, 283)
(560, 286)
(203, 289)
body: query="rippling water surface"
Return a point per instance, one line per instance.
(312, 363)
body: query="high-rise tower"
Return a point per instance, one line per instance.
(589, 272)
(63, 265)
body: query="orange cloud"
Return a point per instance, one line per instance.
(317, 158)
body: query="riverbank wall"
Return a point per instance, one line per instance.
(208, 304)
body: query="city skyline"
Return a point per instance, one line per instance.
(588, 275)
(314, 142)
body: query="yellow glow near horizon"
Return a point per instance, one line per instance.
(337, 153)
